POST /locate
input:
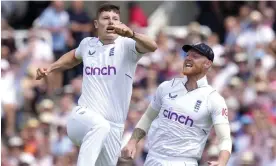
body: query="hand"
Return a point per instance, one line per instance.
(41, 73)
(121, 29)
(129, 150)
(214, 163)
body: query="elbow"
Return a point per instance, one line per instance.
(154, 46)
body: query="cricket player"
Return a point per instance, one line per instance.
(109, 61)
(187, 108)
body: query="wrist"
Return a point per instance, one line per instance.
(133, 35)
(133, 141)
(221, 162)
(52, 68)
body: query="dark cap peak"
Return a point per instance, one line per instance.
(202, 48)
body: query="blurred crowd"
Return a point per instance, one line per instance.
(34, 113)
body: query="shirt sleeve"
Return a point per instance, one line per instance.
(80, 48)
(156, 102)
(217, 108)
(133, 53)
(223, 133)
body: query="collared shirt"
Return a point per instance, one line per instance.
(185, 118)
(108, 74)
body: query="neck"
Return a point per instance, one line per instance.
(191, 83)
(107, 41)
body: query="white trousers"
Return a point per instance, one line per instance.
(99, 139)
(157, 161)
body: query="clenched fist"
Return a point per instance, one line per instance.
(41, 73)
(121, 29)
(129, 150)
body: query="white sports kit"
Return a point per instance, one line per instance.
(184, 122)
(97, 123)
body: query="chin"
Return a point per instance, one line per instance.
(187, 72)
(111, 36)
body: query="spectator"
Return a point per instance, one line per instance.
(55, 19)
(256, 34)
(62, 144)
(232, 28)
(32, 55)
(81, 26)
(244, 17)
(8, 103)
(80, 23)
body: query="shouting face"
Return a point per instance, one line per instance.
(195, 63)
(106, 18)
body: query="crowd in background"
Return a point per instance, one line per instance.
(34, 113)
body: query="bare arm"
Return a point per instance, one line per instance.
(143, 125)
(224, 156)
(137, 135)
(67, 61)
(144, 44)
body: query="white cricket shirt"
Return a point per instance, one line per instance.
(185, 118)
(108, 72)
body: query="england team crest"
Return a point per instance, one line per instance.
(111, 52)
(197, 105)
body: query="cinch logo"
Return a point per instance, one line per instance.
(178, 118)
(109, 70)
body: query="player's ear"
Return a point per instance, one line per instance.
(207, 64)
(96, 24)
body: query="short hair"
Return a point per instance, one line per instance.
(107, 7)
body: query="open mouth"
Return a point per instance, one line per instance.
(110, 29)
(188, 65)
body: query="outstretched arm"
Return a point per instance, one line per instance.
(67, 61)
(144, 44)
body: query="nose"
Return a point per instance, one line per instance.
(188, 57)
(111, 22)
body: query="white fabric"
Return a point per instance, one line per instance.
(7, 89)
(153, 160)
(45, 55)
(185, 118)
(146, 120)
(108, 76)
(224, 136)
(100, 140)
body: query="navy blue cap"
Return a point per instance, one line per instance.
(202, 48)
